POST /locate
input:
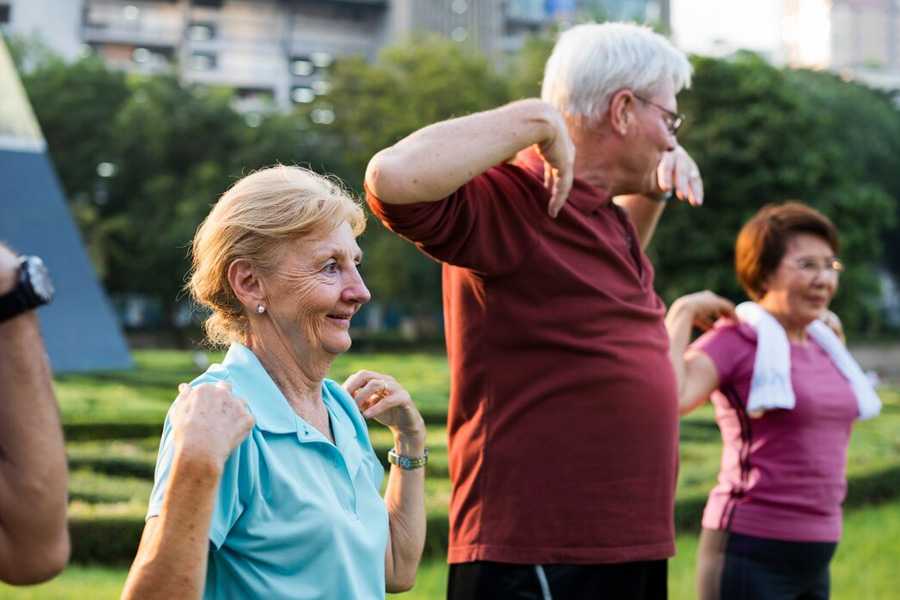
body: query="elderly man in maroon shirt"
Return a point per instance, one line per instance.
(563, 422)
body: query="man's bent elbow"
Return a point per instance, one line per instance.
(385, 178)
(401, 583)
(38, 564)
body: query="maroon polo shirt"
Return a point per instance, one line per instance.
(563, 420)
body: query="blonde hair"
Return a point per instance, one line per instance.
(253, 220)
(591, 62)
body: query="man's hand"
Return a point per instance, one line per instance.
(558, 152)
(677, 172)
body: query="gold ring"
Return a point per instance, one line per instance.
(384, 389)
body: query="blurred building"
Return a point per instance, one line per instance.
(856, 38)
(276, 52)
(859, 39)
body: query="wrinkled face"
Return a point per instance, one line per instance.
(315, 291)
(800, 289)
(651, 136)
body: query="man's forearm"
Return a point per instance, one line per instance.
(433, 162)
(34, 540)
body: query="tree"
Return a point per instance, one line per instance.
(762, 135)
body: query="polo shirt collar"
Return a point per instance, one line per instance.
(273, 413)
(267, 404)
(584, 197)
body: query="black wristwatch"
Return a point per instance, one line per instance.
(32, 289)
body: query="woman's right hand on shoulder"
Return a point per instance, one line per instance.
(209, 420)
(705, 308)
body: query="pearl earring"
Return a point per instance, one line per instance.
(260, 309)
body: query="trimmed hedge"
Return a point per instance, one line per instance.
(105, 540)
(114, 540)
(81, 432)
(122, 466)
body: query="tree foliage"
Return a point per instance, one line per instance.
(759, 134)
(762, 135)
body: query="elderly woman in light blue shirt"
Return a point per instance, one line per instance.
(266, 482)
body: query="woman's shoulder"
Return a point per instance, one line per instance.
(726, 334)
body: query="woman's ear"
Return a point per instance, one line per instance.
(243, 276)
(621, 111)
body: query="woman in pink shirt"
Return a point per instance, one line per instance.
(771, 525)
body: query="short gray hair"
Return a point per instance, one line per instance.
(591, 62)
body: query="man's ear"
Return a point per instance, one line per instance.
(243, 276)
(621, 111)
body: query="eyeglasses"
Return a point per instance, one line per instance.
(811, 267)
(673, 119)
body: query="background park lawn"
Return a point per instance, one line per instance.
(113, 421)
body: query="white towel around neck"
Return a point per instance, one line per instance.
(771, 386)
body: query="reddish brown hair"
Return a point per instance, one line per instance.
(762, 242)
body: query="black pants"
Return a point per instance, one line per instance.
(731, 566)
(502, 581)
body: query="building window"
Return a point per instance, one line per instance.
(4, 13)
(202, 62)
(303, 95)
(200, 32)
(302, 67)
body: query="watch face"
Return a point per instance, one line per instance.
(40, 278)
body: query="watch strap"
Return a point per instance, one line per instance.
(22, 297)
(407, 463)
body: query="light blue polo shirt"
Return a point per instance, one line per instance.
(296, 516)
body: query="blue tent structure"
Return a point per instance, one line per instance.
(79, 327)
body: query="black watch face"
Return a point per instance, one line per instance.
(40, 278)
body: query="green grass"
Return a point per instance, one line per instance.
(75, 583)
(864, 568)
(144, 394)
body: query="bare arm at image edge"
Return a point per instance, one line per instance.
(34, 536)
(208, 424)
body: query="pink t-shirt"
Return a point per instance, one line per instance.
(783, 473)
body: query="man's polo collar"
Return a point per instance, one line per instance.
(584, 197)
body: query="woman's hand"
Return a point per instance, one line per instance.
(208, 419)
(695, 373)
(705, 308)
(834, 322)
(382, 398)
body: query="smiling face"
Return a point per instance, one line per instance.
(315, 290)
(800, 289)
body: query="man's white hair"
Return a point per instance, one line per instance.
(591, 62)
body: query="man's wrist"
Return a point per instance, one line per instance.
(9, 270)
(660, 197)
